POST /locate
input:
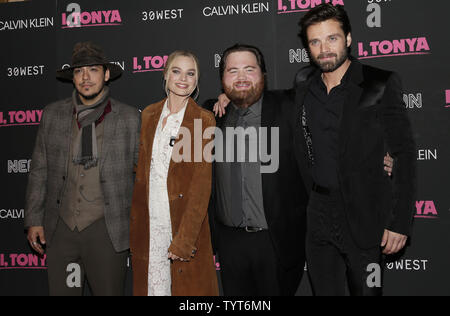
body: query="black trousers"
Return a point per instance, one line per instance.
(249, 266)
(92, 251)
(333, 258)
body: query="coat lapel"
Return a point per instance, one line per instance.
(300, 93)
(188, 123)
(267, 117)
(109, 131)
(67, 123)
(302, 132)
(352, 103)
(148, 132)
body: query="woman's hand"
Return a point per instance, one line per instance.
(174, 257)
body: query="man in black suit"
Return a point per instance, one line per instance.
(351, 114)
(258, 216)
(260, 200)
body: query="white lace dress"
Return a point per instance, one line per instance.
(159, 278)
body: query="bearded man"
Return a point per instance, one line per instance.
(354, 113)
(258, 205)
(259, 226)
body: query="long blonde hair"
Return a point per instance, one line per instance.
(170, 60)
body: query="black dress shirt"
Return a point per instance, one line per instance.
(324, 111)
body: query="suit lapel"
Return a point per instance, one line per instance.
(305, 139)
(346, 121)
(352, 103)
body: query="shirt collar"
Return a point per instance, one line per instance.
(175, 116)
(255, 108)
(348, 76)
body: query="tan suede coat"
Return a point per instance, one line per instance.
(189, 189)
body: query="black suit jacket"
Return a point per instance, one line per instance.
(284, 193)
(374, 121)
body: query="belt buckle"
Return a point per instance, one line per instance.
(250, 229)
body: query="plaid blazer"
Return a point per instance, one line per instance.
(49, 168)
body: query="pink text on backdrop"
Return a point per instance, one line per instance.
(22, 261)
(291, 6)
(149, 63)
(93, 18)
(27, 117)
(426, 209)
(397, 47)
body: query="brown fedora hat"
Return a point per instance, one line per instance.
(88, 54)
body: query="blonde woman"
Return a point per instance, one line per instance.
(170, 236)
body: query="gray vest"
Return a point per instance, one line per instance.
(82, 202)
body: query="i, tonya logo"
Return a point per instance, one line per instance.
(397, 47)
(74, 17)
(20, 118)
(292, 6)
(149, 63)
(25, 261)
(426, 209)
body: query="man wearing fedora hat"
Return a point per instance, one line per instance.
(81, 180)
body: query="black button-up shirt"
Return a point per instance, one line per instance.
(324, 113)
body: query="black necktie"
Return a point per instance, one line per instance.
(236, 174)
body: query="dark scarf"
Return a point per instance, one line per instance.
(88, 117)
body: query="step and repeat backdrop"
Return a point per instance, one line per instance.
(37, 37)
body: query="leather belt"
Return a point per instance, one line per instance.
(320, 189)
(250, 229)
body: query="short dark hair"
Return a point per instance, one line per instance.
(321, 13)
(242, 48)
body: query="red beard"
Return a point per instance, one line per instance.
(244, 99)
